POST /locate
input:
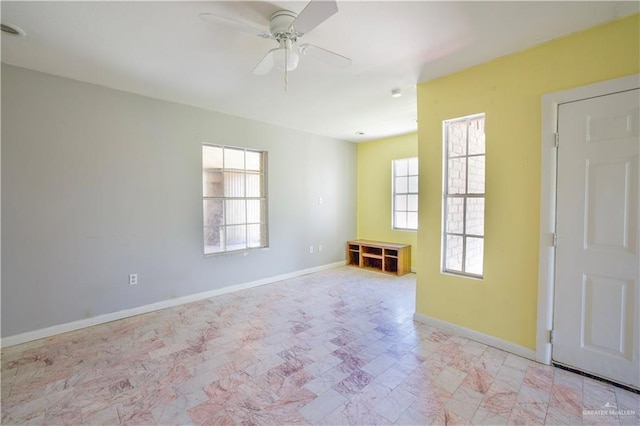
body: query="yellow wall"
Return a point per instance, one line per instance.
(374, 189)
(509, 91)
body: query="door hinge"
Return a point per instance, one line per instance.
(554, 239)
(551, 337)
(557, 140)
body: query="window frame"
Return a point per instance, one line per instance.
(264, 221)
(464, 196)
(394, 193)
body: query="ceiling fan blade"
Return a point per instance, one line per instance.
(265, 64)
(236, 25)
(315, 13)
(326, 56)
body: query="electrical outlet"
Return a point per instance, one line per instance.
(319, 247)
(319, 200)
(310, 249)
(133, 279)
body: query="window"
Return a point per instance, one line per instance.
(234, 199)
(463, 204)
(405, 193)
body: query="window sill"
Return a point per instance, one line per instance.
(242, 252)
(463, 275)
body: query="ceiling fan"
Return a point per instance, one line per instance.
(286, 28)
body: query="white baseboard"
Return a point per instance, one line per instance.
(101, 319)
(477, 336)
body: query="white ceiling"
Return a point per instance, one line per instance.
(163, 50)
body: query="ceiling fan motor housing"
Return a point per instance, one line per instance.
(280, 25)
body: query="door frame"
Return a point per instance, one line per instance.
(546, 259)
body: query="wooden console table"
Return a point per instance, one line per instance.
(385, 257)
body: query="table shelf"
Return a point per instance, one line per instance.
(390, 258)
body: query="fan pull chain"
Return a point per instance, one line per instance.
(286, 67)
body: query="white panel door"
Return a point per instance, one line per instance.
(597, 294)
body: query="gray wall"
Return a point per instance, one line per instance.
(99, 183)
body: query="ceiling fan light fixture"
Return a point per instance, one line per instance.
(285, 58)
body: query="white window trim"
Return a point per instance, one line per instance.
(393, 196)
(264, 197)
(445, 180)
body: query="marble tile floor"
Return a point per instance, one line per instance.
(336, 347)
